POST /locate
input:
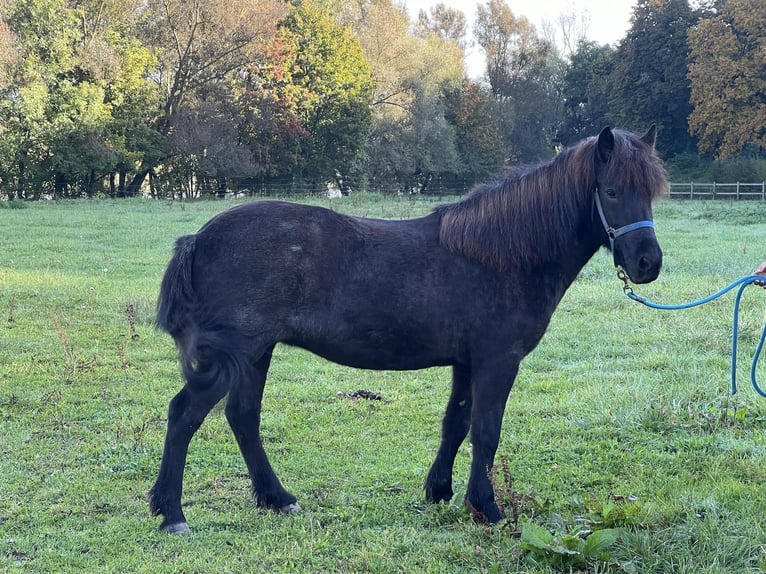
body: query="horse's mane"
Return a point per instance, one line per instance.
(530, 215)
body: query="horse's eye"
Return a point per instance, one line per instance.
(611, 192)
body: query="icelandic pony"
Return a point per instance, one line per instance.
(472, 285)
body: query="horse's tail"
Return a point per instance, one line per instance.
(176, 292)
(209, 353)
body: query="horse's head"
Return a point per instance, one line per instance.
(629, 175)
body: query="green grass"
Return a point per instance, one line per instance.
(618, 400)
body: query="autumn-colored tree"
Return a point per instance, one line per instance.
(727, 59)
(203, 48)
(448, 23)
(271, 126)
(410, 138)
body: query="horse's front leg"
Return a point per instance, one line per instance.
(490, 388)
(455, 425)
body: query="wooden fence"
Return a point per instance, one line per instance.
(715, 190)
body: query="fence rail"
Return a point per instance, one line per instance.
(716, 190)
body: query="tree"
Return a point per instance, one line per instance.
(524, 74)
(333, 76)
(585, 92)
(271, 126)
(134, 100)
(53, 112)
(727, 58)
(573, 28)
(9, 56)
(410, 74)
(648, 84)
(202, 50)
(477, 137)
(447, 23)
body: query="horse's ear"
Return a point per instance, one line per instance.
(650, 136)
(605, 144)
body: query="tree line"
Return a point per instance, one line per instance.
(190, 97)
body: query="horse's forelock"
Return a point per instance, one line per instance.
(636, 164)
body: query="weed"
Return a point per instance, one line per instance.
(11, 308)
(570, 550)
(615, 512)
(513, 504)
(70, 359)
(130, 314)
(591, 540)
(122, 355)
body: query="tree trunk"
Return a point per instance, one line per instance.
(59, 185)
(133, 189)
(221, 187)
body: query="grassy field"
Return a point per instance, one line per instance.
(620, 421)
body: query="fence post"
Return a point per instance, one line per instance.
(713, 190)
(691, 190)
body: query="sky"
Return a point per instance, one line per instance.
(608, 19)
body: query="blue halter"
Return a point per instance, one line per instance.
(614, 233)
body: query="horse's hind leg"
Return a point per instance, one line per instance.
(187, 411)
(455, 425)
(243, 411)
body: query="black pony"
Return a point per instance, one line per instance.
(472, 285)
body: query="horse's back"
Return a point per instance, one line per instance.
(302, 247)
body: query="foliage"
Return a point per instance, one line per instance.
(333, 79)
(726, 62)
(448, 23)
(204, 50)
(615, 512)
(271, 127)
(648, 83)
(50, 103)
(410, 137)
(186, 98)
(524, 76)
(585, 92)
(567, 550)
(477, 137)
(691, 167)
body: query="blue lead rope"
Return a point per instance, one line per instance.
(742, 283)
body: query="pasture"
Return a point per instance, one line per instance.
(620, 419)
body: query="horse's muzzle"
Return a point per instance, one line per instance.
(641, 260)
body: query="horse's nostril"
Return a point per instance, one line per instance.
(644, 263)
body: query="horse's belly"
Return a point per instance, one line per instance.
(379, 348)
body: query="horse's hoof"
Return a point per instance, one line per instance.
(177, 528)
(293, 508)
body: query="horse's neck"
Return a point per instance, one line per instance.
(580, 246)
